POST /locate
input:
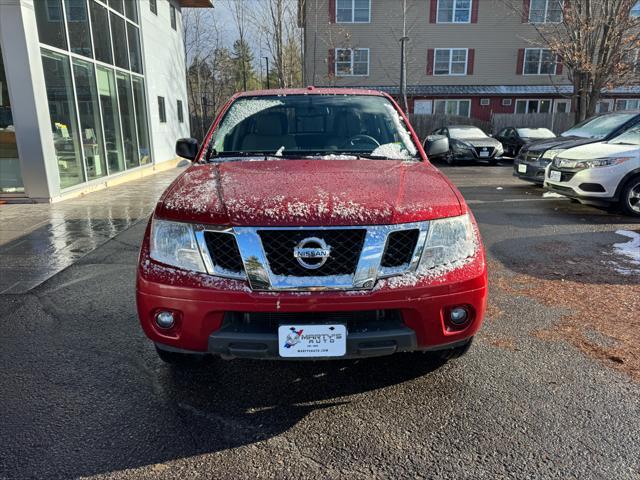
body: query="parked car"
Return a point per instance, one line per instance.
(513, 139)
(601, 173)
(533, 159)
(468, 143)
(310, 225)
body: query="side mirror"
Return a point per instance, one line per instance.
(187, 148)
(436, 145)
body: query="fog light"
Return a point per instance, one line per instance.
(165, 320)
(459, 316)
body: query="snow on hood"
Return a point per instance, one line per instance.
(310, 192)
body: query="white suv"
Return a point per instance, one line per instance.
(600, 173)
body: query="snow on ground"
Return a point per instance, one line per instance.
(552, 195)
(630, 250)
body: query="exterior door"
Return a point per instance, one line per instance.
(10, 170)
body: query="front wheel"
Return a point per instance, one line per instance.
(630, 198)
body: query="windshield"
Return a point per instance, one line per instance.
(331, 126)
(630, 137)
(535, 133)
(599, 127)
(467, 132)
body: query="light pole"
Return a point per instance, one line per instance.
(403, 75)
(268, 85)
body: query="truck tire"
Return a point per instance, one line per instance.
(630, 197)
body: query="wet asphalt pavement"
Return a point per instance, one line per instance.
(83, 394)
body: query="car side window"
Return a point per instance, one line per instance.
(503, 133)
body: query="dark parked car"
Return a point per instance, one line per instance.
(469, 144)
(533, 159)
(513, 139)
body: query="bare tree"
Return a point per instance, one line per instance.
(238, 10)
(597, 41)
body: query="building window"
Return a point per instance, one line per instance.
(628, 104)
(539, 61)
(153, 6)
(162, 111)
(180, 112)
(453, 107)
(545, 11)
(450, 61)
(454, 11)
(533, 106)
(506, 102)
(485, 102)
(98, 113)
(352, 62)
(635, 11)
(353, 11)
(174, 21)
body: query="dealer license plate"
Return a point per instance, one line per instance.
(555, 176)
(484, 153)
(297, 341)
(522, 168)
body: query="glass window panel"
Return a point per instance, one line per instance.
(545, 106)
(50, 21)
(101, 34)
(361, 11)
(532, 61)
(180, 112)
(131, 10)
(10, 171)
(120, 48)
(548, 64)
(57, 78)
(464, 107)
(554, 11)
(153, 6)
(445, 11)
(162, 111)
(117, 5)
(128, 119)
(90, 125)
(134, 48)
(144, 146)
(111, 118)
(344, 11)
(537, 11)
(343, 62)
(463, 11)
(521, 106)
(78, 25)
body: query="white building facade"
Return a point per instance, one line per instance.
(92, 92)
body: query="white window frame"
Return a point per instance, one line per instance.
(450, 50)
(524, 62)
(527, 100)
(453, 13)
(625, 100)
(610, 102)
(353, 14)
(546, 13)
(352, 57)
(561, 101)
(446, 100)
(506, 102)
(428, 104)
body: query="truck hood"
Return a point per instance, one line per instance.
(310, 192)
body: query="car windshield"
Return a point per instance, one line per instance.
(330, 126)
(630, 137)
(535, 133)
(599, 127)
(466, 132)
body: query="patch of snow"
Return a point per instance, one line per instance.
(280, 151)
(197, 198)
(402, 129)
(392, 150)
(334, 156)
(552, 195)
(499, 188)
(630, 250)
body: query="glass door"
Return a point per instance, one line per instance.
(10, 172)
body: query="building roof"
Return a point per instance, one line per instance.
(196, 3)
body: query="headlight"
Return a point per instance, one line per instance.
(174, 243)
(552, 153)
(601, 162)
(499, 149)
(449, 240)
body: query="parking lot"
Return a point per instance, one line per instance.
(549, 389)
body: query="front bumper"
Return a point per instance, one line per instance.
(201, 305)
(598, 186)
(534, 171)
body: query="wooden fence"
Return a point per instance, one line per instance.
(556, 122)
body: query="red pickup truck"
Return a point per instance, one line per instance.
(310, 226)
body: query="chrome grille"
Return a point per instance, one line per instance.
(346, 245)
